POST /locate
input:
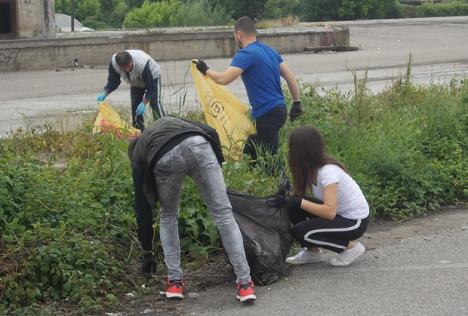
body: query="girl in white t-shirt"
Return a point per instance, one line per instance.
(340, 213)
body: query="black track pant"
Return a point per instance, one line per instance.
(334, 235)
(267, 137)
(136, 96)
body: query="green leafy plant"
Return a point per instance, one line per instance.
(152, 14)
(67, 227)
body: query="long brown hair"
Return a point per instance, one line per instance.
(306, 155)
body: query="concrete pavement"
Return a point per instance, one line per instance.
(438, 47)
(416, 268)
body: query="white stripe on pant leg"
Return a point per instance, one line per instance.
(324, 243)
(158, 101)
(327, 230)
(161, 110)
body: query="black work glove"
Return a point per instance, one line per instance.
(287, 201)
(201, 66)
(296, 110)
(148, 264)
(284, 186)
(290, 201)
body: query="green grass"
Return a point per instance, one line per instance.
(67, 228)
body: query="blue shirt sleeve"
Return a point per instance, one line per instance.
(278, 56)
(242, 60)
(113, 80)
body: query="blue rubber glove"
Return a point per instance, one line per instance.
(101, 97)
(140, 111)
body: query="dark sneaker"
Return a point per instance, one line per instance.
(246, 292)
(174, 289)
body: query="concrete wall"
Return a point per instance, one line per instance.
(167, 45)
(36, 18)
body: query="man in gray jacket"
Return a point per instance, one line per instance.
(143, 75)
(161, 157)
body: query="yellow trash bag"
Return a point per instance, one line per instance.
(109, 121)
(225, 113)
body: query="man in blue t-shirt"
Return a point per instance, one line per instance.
(260, 67)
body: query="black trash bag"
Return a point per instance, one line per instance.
(266, 233)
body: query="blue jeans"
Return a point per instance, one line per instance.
(194, 157)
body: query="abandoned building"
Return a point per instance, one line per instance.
(21, 19)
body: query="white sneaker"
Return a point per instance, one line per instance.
(348, 256)
(305, 256)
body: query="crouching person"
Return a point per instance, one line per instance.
(338, 215)
(161, 157)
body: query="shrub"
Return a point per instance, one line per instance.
(96, 13)
(436, 9)
(200, 12)
(67, 227)
(152, 14)
(322, 10)
(405, 146)
(275, 9)
(252, 8)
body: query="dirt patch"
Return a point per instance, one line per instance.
(214, 272)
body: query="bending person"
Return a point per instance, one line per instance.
(166, 152)
(341, 220)
(143, 75)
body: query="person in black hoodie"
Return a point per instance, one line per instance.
(161, 157)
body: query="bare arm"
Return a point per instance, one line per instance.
(226, 77)
(290, 78)
(326, 210)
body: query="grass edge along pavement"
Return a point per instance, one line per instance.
(67, 228)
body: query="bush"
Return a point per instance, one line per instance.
(322, 10)
(405, 146)
(176, 13)
(95, 13)
(200, 12)
(152, 14)
(67, 227)
(276, 9)
(253, 8)
(437, 9)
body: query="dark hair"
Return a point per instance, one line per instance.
(246, 25)
(306, 154)
(123, 58)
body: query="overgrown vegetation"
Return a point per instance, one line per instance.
(67, 228)
(459, 7)
(159, 13)
(176, 13)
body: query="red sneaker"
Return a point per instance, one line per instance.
(246, 292)
(174, 289)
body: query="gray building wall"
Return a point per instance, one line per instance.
(36, 18)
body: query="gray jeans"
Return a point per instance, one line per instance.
(194, 157)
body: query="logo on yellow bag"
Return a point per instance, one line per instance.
(225, 113)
